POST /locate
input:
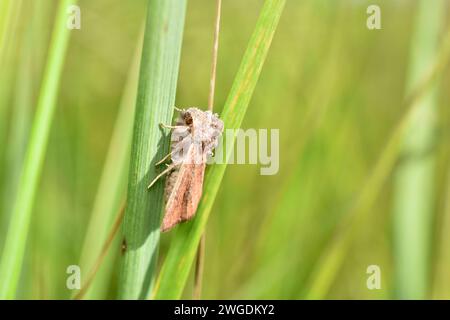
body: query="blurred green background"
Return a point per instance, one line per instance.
(334, 88)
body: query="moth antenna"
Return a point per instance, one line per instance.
(169, 168)
(178, 109)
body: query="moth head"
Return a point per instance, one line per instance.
(194, 118)
(204, 125)
(187, 117)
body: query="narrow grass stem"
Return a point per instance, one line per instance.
(199, 266)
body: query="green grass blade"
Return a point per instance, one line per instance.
(155, 100)
(13, 253)
(182, 252)
(414, 177)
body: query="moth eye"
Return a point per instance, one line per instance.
(188, 119)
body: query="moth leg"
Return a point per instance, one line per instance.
(162, 125)
(167, 170)
(163, 159)
(178, 109)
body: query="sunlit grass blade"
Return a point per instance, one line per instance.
(414, 177)
(14, 249)
(155, 100)
(181, 255)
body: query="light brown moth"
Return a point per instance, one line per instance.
(193, 139)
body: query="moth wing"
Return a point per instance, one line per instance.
(195, 190)
(186, 193)
(175, 202)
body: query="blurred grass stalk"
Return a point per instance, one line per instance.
(334, 254)
(111, 190)
(10, 11)
(14, 249)
(182, 252)
(9, 16)
(20, 116)
(20, 120)
(155, 100)
(414, 177)
(441, 289)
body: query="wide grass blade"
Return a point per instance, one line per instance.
(155, 100)
(414, 177)
(13, 252)
(182, 252)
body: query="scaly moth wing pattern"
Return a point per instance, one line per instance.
(186, 192)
